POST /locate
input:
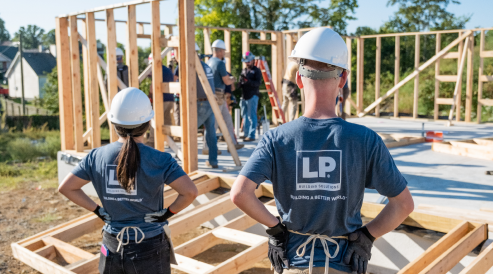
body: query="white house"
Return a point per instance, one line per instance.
(7, 54)
(36, 66)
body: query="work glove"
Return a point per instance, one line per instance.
(358, 252)
(278, 242)
(102, 214)
(158, 217)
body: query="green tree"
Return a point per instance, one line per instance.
(50, 97)
(32, 36)
(49, 38)
(4, 34)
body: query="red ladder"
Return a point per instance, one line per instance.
(271, 89)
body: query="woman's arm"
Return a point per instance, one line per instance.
(71, 188)
(187, 192)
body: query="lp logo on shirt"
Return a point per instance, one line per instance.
(318, 170)
(112, 184)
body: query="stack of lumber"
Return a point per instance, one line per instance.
(399, 140)
(481, 148)
(484, 215)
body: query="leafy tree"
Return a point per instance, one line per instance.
(50, 97)
(49, 38)
(4, 34)
(32, 36)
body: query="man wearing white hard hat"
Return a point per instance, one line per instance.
(319, 166)
(250, 80)
(128, 177)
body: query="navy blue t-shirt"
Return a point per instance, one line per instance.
(128, 209)
(168, 77)
(319, 169)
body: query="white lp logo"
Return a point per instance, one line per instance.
(112, 184)
(318, 170)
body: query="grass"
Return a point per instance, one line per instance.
(47, 218)
(13, 175)
(29, 145)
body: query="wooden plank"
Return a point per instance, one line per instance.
(93, 80)
(451, 55)
(482, 263)
(378, 60)
(217, 112)
(238, 236)
(416, 77)
(486, 54)
(243, 260)
(397, 72)
(174, 147)
(416, 219)
(446, 147)
(132, 52)
(36, 261)
(143, 36)
(360, 79)
(89, 266)
(486, 78)
(185, 146)
(263, 35)
(87, 94)
(453, 255)
(203, 187)
(70, 253)
(349, 48)
(412, 75)
(47, 252)
(472, 145)
(111, 73)
(444, 101)
(438, 248)
(245, 46)
(174, 131)
(438, 46)
(227, 43)
(157, 77)
(484, 141)
(64, 84)
(148, 69)
(261, 42)
(207, 42)
(458, 84)
(406, 142)
(76, 89)
(191, 266)
(174, 87)
(446, 78)
(102, 88)
(462, 214)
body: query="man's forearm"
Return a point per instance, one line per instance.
(251, 205)
(392, 215)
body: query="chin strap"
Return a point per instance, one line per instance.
(319, 74)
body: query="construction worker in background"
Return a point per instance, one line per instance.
(221, 80)
(290, 92)
(128, 177)
(205, 114)
(250, 83)
(122, 69)
(168, 100)
(174, 64)
(319, 166)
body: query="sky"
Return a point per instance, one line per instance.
(371, 13)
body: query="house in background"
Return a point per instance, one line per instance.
(7, 55)
(36, 67)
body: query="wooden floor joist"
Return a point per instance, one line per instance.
(481, 148)
(44, 250)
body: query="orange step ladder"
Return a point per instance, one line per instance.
(271, 89)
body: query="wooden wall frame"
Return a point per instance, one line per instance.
(40, 251)
(481, 148)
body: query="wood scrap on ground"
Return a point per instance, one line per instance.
(481, 148)
(399, 140)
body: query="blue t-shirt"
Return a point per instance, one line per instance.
(128, 209)
(319, 169)
(200, 89)
(219, 69)
(168, 77)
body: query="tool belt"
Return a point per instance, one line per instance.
(323, 239)
(219, 92)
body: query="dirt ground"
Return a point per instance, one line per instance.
(29, 209)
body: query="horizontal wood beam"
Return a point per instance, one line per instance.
(261, 42)
(190, 265)
(174, 131)
(144, 36)
(486, 102)
(238, 236)
(486, 54)
(451, 55)
(446, 78)
(486, 78)
(482, 263)
(444, 101)
(85, 266)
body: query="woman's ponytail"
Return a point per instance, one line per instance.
(129, 157)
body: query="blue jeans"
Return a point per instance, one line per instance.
(205, 117)
(251, 116)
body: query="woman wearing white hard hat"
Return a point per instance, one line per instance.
(129, 178)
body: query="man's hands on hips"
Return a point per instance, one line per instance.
(358, 252)
(278, 241)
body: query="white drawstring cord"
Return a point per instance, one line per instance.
(119, 237)
(323, 239)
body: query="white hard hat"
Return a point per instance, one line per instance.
(130, 108)
(119, 52)
(150, 57)
(197, 47)
(322, 45)
(219, 44)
